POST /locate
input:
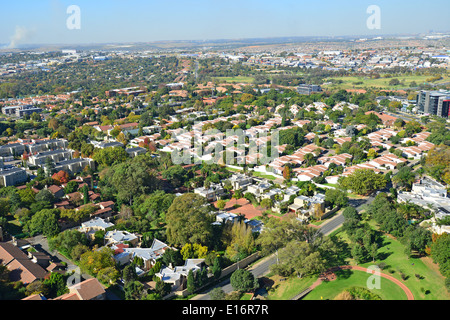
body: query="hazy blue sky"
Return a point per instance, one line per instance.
(103, 21)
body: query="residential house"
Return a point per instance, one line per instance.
(224, 217)
(258, 189)
(133, 152)
(47, 144)
(240, 181)
(39, 258)
(57, 191)
(177, 276)
(304, 205)
(147, 255)
(92, 226)
(213, 193)
(89, 289)
(429, 194)
(115, 237)
(20, 266)
(12, 149)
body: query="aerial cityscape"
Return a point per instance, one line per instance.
(204, 164)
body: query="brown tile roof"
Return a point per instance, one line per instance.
(68, 296)
(88, 289)
(20, 266)
(54, 189)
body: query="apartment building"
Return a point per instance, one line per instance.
(12, 176)
(56, 156)
(434, 102)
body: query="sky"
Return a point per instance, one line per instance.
(119, 21)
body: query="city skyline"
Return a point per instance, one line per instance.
(115, 21)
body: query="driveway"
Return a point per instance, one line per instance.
(41, 244)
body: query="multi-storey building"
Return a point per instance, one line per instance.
(434, 102)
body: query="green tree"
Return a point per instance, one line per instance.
(440, 253)
(221, 204)
(243, 280)
(129, 179)
(108, 275)
(336, 197)
(404, 178)
(242, 242)
(216, 268)
(177, 175)
(134, 290)
(93, 261)
(300, 258)
(267, 203)
(44, 222)
(189, 220)
(363, 181)
(45, 195)
(56, 285)
(173, 257)
(217, 294)
(110, 156)
(66, 241)
(190, 282)
(153, 206)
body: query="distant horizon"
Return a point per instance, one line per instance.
(345, 37)
(80, 22)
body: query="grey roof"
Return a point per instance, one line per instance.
(97, 222)
(155, 252)
(120, 236)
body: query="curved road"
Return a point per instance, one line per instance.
(262, 267)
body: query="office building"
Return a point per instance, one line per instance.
(434, 102)
(308, 88)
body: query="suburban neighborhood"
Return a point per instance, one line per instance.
(230, 172)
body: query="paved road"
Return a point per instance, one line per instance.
(262, 267)
(258, 270)
(41, 244)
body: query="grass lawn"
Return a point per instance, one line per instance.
(289, 288)
(233, 169)
(262, 175)
(431, 284)
(349, 278)
(317, 222)
(237, 79)
(246, 296)
(331, 185)
(14, 227)
(350, 82)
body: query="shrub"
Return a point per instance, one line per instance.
(360, 293)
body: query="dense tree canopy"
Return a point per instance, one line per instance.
(363, 181)
(189, 220)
